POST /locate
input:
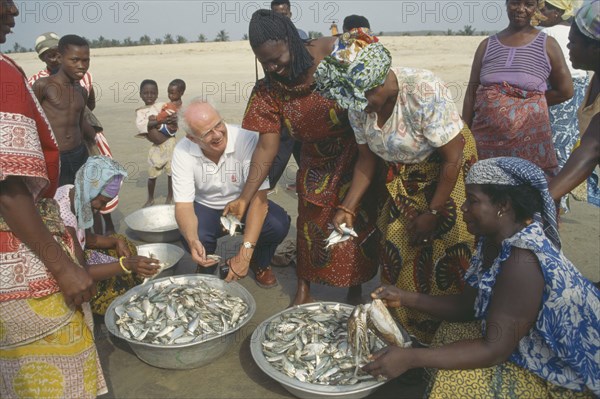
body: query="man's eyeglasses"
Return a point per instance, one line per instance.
(212, 131)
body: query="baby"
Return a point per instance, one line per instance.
(175, 91)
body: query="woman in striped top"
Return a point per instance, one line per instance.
(506, 104)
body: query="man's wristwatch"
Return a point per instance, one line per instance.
(249, 245)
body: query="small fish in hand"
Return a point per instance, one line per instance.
(336, 237)
(161, 267)
(230, 223)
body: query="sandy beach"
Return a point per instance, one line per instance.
(227, 72)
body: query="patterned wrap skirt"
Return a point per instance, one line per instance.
(505, 380)
(511, 122)
(565, 126)
(437, 267)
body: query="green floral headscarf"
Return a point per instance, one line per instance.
(358, 63)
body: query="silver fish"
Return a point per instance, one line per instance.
(169, 313)
(309, 345)
(230, 223)
(336, 237)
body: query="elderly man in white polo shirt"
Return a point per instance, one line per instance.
(210, 167)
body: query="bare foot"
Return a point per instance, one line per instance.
(302, 293)
(148, 203)
(301, 300)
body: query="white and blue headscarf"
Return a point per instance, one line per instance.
(510, 171)
(99, 175)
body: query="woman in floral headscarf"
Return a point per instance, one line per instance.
(406, 117)
(506, 104)
(111, 259)
(526, 325)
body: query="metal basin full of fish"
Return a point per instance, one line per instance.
(306, 349)
(181, 322)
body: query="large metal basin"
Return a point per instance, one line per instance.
(300, 389)
(154, 224)
(167, 253)
(190, 355)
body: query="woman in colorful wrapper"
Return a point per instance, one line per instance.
(406, 117)
(563, 117)
(578, 175)
(286, 96)
(506, 104)
(526, 325)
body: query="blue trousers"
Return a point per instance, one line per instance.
(274, 231)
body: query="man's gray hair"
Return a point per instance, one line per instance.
(182, 123)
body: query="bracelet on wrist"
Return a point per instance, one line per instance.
(434, 212)
(348, 211)
(126, 270)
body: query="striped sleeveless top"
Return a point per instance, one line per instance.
(526, 67)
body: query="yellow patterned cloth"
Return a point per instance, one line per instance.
(505, 380)
(63, 363)
(110, 289)
(46, 348)
(434, 268)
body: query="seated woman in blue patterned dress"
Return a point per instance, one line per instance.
(529, 321)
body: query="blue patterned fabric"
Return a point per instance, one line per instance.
(511, 171)
(563, 347)
(565, 126)
(593, 189)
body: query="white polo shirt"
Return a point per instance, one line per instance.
(197, 178)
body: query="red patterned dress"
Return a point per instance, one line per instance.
(46, 347)
(329, 152)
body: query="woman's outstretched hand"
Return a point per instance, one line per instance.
(390, 295)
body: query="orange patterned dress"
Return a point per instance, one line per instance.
(327, 159)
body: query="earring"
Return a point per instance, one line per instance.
(499, 213)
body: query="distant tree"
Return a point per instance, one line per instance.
(145, 40)
(158, 40)
(180, 39)
(245, 37)
(168, 39)
(429, 33)
(100, 42)
(483, 33)
(127, 42)
(201, 38)
(17, 48)
(114, 43)
(222, 36)
(380, 33)
(468, 30)
(449, 32)
(314, 35)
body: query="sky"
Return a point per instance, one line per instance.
(118, 19)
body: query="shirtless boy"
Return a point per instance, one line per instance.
(63, 100)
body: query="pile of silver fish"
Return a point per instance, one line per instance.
(311, 345)
(336, 237)
(170, 313)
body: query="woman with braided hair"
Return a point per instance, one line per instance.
(286, 97)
